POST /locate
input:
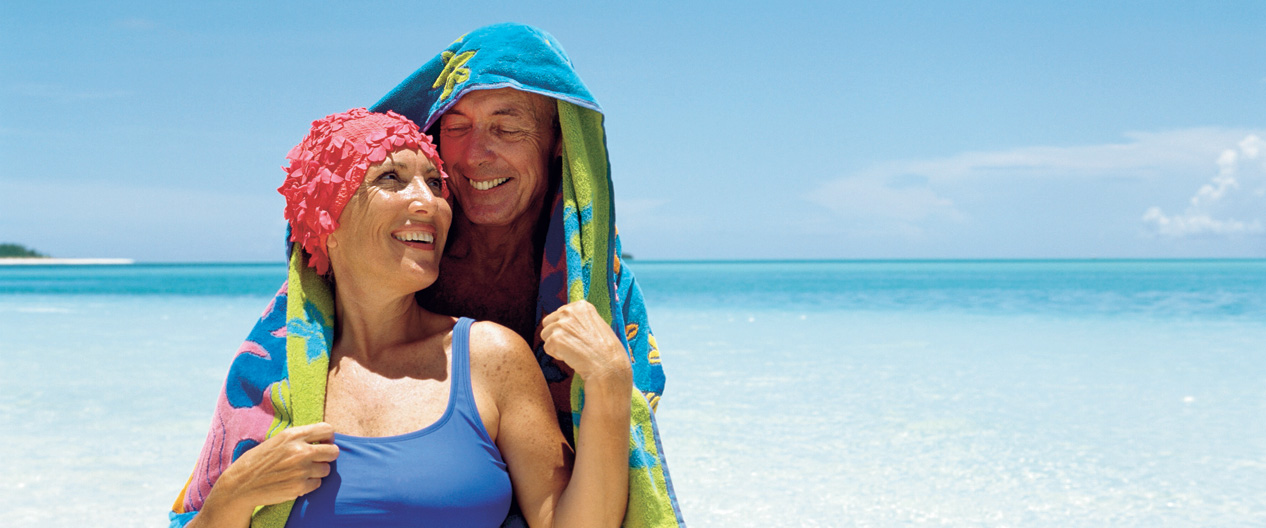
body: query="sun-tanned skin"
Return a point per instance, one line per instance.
(390, 372)
(492, 265)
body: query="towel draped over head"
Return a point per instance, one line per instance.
(277, 379)
(582, 248)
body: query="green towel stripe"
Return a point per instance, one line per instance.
(306, 379)
(649, 504)
(584, 149)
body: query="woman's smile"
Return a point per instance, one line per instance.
(416, 238)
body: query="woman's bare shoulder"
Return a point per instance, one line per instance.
(501, 353)
(487, 334)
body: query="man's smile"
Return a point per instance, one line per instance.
(486, 184)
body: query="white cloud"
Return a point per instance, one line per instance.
(877, 206)
(908, 196)
(147, 223)
(1144, 154)
(1197, 224)
(637, 206)
(1233, 202)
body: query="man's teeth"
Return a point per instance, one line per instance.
(425, 238)
(485, 185)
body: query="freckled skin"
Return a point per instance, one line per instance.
(390, 363)
(491, 269)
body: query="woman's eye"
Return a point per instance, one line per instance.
(435, 183)
(388, 176)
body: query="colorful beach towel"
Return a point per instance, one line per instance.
(277, 379)
(582, 247)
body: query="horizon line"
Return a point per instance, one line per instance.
(878, 260)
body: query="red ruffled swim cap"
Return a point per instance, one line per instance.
(330, 164)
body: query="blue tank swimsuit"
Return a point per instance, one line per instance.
(447, 474)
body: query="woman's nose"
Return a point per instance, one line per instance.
(421, 197)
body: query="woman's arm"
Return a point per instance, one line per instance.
(550, 492)
(599, 490)
(282, 468)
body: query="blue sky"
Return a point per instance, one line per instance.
(155, 130)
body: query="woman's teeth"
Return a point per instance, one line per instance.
(425, 238)
(485, 185)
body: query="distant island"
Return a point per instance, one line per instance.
(17, 254)
(8, 250)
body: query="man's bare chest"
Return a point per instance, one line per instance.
(509, 299)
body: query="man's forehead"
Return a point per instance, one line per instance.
(503, 101)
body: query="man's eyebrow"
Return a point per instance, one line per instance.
(452, 112)
(512, 111)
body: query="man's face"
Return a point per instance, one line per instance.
(497, 146)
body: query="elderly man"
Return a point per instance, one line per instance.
(533, 244)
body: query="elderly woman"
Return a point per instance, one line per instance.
(361, 408)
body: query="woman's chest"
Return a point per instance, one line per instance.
(363, 403)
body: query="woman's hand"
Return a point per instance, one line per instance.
(282, 468)
(577, 335)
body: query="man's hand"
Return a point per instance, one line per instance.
(598, 491)
(577, 335)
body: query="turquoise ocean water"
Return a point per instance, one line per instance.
(938, 393)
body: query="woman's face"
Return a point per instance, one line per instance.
(392, 231)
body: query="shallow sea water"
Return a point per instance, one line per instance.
(951, 420)
(799, 394)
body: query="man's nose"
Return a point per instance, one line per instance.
(479, 147)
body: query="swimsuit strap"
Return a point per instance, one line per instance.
(462, 391)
